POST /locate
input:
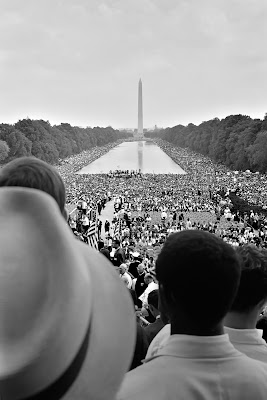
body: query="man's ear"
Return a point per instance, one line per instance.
(262, 304)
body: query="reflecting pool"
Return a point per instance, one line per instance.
(140, 155)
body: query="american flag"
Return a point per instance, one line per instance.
(117, 229)
(92, 235)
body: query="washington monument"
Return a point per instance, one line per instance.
(140, 109)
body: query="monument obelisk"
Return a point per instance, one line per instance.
(140, 109)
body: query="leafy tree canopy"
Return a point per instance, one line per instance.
(237, 141)
(50, 143)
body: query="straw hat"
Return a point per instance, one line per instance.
(67, 327)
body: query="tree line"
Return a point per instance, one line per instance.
(237, 141)
(50, 143)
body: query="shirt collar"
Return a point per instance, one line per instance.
(198, 347)
(250, 336)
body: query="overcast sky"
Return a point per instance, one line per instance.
(79, 61)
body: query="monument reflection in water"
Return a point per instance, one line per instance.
(140, 155)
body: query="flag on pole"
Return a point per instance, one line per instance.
(92, 235)
(117, 229)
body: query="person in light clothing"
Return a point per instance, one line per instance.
(251, 299)
(124, 274)
(198, 361)
(151, 285)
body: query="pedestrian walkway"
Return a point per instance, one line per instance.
(107, 213)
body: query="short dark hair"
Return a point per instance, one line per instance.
(153, 298)
(116, 241)
(36, 174)
(198, 269)
(253, 282)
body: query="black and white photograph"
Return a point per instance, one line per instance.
(133, 200)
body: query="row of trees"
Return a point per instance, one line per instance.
(238, 141)
(50, 143)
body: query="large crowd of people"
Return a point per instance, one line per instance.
(152, 206)
(194, 267)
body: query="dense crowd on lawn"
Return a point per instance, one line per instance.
(250, 186)
(152, 206)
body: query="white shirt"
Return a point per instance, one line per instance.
(159, 341)
(194, 368)
(84, 205)
(249, 342)
(129, 279)
(150, 287)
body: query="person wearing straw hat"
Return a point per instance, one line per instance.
(60, 337)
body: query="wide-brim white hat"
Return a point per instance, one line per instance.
(67, 326)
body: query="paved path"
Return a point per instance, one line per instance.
(107, 213)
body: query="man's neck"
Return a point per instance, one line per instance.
(188, 327)
(237, 320)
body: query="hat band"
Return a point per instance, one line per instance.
(58, 389)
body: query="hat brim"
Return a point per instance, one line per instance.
(112, 333)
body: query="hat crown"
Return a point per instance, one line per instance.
(39, 288)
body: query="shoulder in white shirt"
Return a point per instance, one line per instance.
(249, 342)
(196, 367)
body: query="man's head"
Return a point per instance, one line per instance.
(116, 243)
(36, 174)
(153, 302)
(140, 269)
(197, 269)
(252, 290)
(148, 278)
(123, 269)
